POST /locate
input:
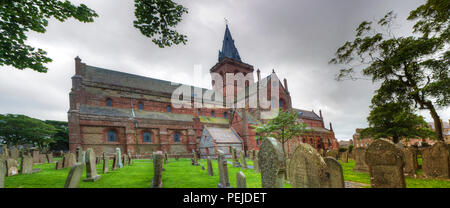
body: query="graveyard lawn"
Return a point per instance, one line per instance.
(177, 174)
(350, 175)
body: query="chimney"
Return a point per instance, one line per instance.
(331, 127)
(77, 66)
(259, 75)
(285, 84)
(320, 113)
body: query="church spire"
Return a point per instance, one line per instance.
(229, 50)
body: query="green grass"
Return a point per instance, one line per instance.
(349, 175)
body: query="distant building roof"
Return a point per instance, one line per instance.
(223, 135)
(307, 114)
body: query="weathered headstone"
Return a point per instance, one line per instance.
(256, 163)
(240, 180)
(83, 157)
(435, 161)
(59, 164)
(411, 163)
(74, 176)
(11, 166)
(50, 158)
(124, 159)
(115, 163)
(307, 169)
(36, 155)
(223, 170)
(385, 162)
(69, 160)
(243, 161)
(2, 172)
(333, 153)
(271, 163)
(157, 170)
(79, 154)
(344, 157)
(91, 167)
(195, 158)
(14, 154)
(166, 158)
(130, 160)
(119, 158)
(336, 173)
(236, 163)
(360, 163)
(251, 154)
(105, 163)
(209, 166)
(26, 167)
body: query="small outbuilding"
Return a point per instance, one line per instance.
(216, 138)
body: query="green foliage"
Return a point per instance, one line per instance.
(19, 17)
(20, 129)
(396, 121)
(157, 19)
(350, 148)
(410, 69)
(61, 137)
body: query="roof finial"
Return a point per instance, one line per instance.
(273, 71)
(226, 21)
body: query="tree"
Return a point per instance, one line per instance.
(396, 121)
(19, 129)
(61, 137)
(410, 69)
(155, 19)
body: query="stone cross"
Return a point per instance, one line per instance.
(240, 180)
(74, 176)
(336, 173)
(411, 163)
(385, 162)
(91, 167)
(210, 169)
(119, 153)
(435, 161)
(360, 164)
(223, 170)
(157, 169)
(307, 169)
(26, 167)
(271, 163)
(105, 163)
(2, 172)
(243, 161)
(236, 163)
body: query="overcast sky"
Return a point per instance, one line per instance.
(294, 37)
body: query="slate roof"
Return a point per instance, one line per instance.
(223, 135)
(307, 114)
(120, 112)
(228, 48)
(318, 129)
(250, 118)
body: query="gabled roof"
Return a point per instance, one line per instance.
(307, 114)
(223, 135)
(228, 48)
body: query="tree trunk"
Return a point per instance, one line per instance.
(395, 139)
(437, 121)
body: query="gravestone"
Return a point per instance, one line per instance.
(59, 164)
(115, 164)
(223, 170)
(36, 156)
(69, 160)
(411, 163)
(435, 161)
(256, 163)
(26, 167)
(307, 169)
(210, 169)
(251, 155)
(79, 154)
(14, 154)
(2, 172)
(42, 158)
(236, 163)
(119, 159)
(157, 169)
(105, 163)
(243, 161)
(271, 163)
(74, 176)
(83, 157)
(321, 152)
(360, 163)
(344, 157)
(98, 160)
(5, 151)
(130, 160)
(11, 167)
(240, 180)
(385, 162)
(336, 173)
(333, 153)
(195, 158)
(166, 158)
(124, 159)
(50, 158)
(91, 167)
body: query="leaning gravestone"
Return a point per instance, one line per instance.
(210, 169)
(435, 161)
(236, 163)
(105, 163)
(271, 164)
(223, 170)
(360, 164)
(119, 159)
(74, 176)
(2, 172)
(11, 166)
(157, 169)
(91, 167)
(411, 164)
(243, 161)
(336, 173)
(385, 162)
(307, 169)
(344, 157)
(26, 167)
(240, 180)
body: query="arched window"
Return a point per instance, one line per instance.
(169, 109)
(141, 106)
(112, 136)
(176, 137)
(213, 114)
(147, 137)
(109, 102)
(225, 115)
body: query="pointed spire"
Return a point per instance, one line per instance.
(229, 50)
